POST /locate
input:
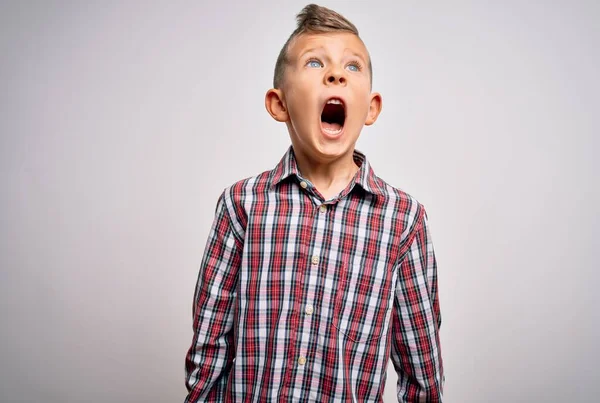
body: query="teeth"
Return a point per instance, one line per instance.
(334, 101)
(331, 131)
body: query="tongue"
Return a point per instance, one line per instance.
(331, 126)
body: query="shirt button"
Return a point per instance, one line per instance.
(309, 309)
(315, 259)
(303, 184)
(302, 360)
(323, 208)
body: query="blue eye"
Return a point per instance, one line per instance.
(353, 67)
(314, 63)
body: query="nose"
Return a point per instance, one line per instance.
(335, 76)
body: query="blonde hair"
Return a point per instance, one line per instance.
(313, 19)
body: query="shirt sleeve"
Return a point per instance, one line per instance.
(416, 320)
(211, 353)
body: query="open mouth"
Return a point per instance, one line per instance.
(333, 116)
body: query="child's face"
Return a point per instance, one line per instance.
(322, 68)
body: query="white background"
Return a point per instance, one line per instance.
(121, 122)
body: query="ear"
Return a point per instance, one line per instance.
(374, 108)
(275, 105)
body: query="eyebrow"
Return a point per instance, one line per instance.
(310, 50)
(321, 48)
(357, 54)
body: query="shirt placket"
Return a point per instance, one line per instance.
(310, 259)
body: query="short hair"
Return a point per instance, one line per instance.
(314, 19)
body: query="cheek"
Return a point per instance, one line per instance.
(297, 105)
(299, 102)
(299, 112)
(362, 105)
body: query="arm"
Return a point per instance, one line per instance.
(210, 356)
(416, 320)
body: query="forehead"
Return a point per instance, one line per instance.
(329, 42)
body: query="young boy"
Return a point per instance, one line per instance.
(317, 272)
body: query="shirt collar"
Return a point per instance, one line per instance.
(365, 177)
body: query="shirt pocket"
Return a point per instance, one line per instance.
(361, 308)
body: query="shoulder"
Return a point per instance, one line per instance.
(244, 191)
(238, 196)
(406, 211)
(395, 203)
(399, 199)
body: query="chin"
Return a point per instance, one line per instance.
(334, 147)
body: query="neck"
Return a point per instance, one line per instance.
(329, 177)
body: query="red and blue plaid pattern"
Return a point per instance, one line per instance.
(304, 299)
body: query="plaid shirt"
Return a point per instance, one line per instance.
(302, 299)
